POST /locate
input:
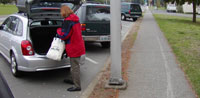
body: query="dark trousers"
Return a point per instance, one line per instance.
(75, 71)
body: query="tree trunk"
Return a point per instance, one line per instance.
(194, 11)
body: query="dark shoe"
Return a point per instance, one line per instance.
(68, 81)
(71, 89)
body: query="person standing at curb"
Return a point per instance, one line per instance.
(70, 32)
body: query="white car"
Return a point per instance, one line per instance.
(198, 10)
(171, 8)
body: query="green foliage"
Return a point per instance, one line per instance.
(180, 2)
(158, 3)
(179, 9)
(100, 1)
(7, 9)
(5, 1)
(184, 37)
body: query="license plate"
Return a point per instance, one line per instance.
(104, 38)
(90, 38)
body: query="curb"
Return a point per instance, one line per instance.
(94, 82)
(92, 85)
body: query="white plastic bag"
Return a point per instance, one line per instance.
(82, 59)
(56, 50)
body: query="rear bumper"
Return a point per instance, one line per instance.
(41, 63)
(102, 38)
(133, 16)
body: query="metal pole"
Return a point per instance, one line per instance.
(116, 77)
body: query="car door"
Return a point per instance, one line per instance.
(3, 33)
(9, 35)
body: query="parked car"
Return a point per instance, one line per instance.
(95, 22)
(25, 37)
(130, 10)
(5, 91)
(171, 7)
(198, 10)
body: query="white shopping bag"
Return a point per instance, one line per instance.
(82, 59)
(56, 50)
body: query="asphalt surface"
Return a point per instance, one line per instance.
(173, 13)
(154, 71)
(2, 18)
(49, 84)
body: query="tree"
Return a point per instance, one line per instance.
(5, 1)
(181, 2)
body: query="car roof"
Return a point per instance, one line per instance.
(92, 4)
(20, 15)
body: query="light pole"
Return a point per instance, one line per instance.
(116, 70)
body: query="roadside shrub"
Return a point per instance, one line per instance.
(179, 9)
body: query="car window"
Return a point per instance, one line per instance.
(13, 25)
(79, 13)
(38, 7)
(98, 13)
(125, 7)
(19, 30)
(6, 24)
(135, 8)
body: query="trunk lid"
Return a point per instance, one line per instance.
(45, 9)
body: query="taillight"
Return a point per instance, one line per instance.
(129, 11)
(83, 27)
(27, 48)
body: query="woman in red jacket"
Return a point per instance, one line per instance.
(70, 32)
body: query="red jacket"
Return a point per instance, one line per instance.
(71, 33)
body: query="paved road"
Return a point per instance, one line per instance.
(2, 18)
(173, 14)
(153, 71)
(49, 84)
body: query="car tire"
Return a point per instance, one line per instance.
(134, 19)
(14, 66)
(123, 17)
(105, 44)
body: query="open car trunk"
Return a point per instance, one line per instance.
(45, 9)
(41, 38)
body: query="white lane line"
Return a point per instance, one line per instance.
(127, 32)
(91, 60)
(170, 93)
(126, 26)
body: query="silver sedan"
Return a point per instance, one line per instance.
(24, 44)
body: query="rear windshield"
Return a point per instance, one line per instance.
(53, 6)
(135, 8)
(98, 13)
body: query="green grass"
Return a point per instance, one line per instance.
(161, 8)
(184, 37)
(7, 9)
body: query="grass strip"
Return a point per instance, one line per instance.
(7, 9)
(184, 37)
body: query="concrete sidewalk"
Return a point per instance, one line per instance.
(153, 70)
